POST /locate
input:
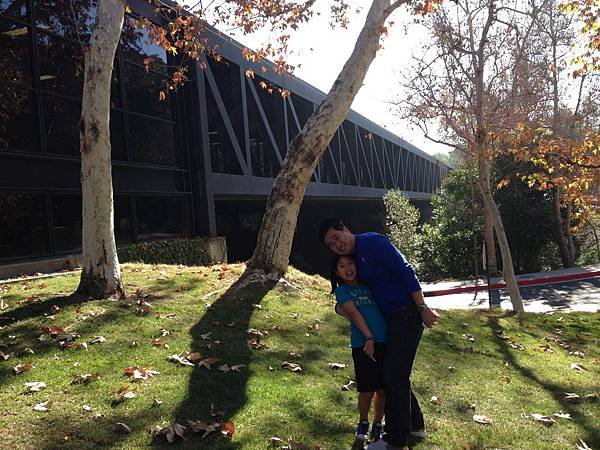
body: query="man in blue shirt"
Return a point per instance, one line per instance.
(397, 292)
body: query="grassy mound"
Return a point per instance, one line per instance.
(486, 360)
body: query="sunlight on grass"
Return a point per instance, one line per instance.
(486, 360)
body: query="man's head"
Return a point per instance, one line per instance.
(336, 236)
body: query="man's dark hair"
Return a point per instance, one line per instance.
(326, 225)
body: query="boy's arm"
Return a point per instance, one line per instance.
(351, 313)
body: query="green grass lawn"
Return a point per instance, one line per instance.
(508, 372)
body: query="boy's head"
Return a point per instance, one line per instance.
(336, 236)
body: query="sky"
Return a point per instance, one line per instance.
(319, 54)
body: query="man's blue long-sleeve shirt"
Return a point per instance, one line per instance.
(385, 271)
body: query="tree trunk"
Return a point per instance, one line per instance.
(101, 273)
(508, 271)
(569, 234)
(563, 244)
(490, 246)
(274, 242)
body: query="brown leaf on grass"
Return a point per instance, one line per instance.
(517, 346)
(577, 353)
(468, 337)
(207, 362)
(546, 348)
(3, 305)
(505, 378)
(20, 368)
(86, 378)
(562, 415)
(292, 367)
(122, 394)
(256, 334)
(335, 366)
(435, 400)
(143, 307)
(160, 342)
(237, 367)
(198, 426)
(483, 419)
(451, 369)
(546, 420)
(54, 331)
(44, 406)
(227, 428)
(172, 431)
(66, 337)
(54, 310)
(70, 344)
(140, 373)
(120, 427)
(35, 386)
(193, 357)
(98, 340)
(592, 397)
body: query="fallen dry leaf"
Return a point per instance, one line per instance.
(206, 336)
(6, 356)
(208, 362)
(546, 420)
(468, 337)
(193, 357)
(227, 428)
(87, 407)
(237, 367)
(98, 339)
(178, 359)
(44, 406)
(572, 397)
(335, 366)
(120, 427)
(483, 420)
(140, 373)
(172, 431)
(346, 387)
(291, 366)
(582, 445)
(224, 368)
(436, 400)
(198, 426)
(86, 378)
(20, 368)
(160, 342)
(505, 378)
(577, 367)
(562, 415)
(35, 386)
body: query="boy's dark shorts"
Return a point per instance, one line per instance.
(369, 373)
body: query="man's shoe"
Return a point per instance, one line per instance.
(362, 430)
(376, 431)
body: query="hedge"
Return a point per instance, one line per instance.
(188, 252)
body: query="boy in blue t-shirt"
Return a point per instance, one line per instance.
(367, 339)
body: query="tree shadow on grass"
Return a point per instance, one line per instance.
(210, 392)
(40, 306)
(556, 390)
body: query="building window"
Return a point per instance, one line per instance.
(61, 65)
(18, 119)
(152, 141)
(158, 217)
(66, 222)
(122, 209)
(136, 46)
(67, 18)
(142, 92)
(15, 59)
(61, 123)
(22, 225)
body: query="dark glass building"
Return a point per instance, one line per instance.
(200, 163)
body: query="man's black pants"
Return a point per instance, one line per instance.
(402, 410)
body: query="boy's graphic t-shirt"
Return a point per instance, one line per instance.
(361, 296)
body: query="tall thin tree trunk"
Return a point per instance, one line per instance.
(563, 244)
(508, 271)
(276, 233)
(569, 234)
(490, 245)
(101, 273)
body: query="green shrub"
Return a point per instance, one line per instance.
(189, 252)
(402, 220)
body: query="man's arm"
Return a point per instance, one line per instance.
(400, 266)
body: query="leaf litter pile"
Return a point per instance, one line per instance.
(172, 365)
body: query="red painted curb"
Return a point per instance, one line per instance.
(502, 284)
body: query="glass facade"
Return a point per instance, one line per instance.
(157, 146)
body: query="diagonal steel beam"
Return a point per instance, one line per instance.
(299, 127)
(349, 155)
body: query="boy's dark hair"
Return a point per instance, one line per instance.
(334, 279)
(326, 225)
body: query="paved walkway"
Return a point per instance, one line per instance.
(574, 289)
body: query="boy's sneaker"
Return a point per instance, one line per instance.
(376, 432)
(362, 430)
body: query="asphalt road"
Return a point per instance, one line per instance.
(577, 295)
